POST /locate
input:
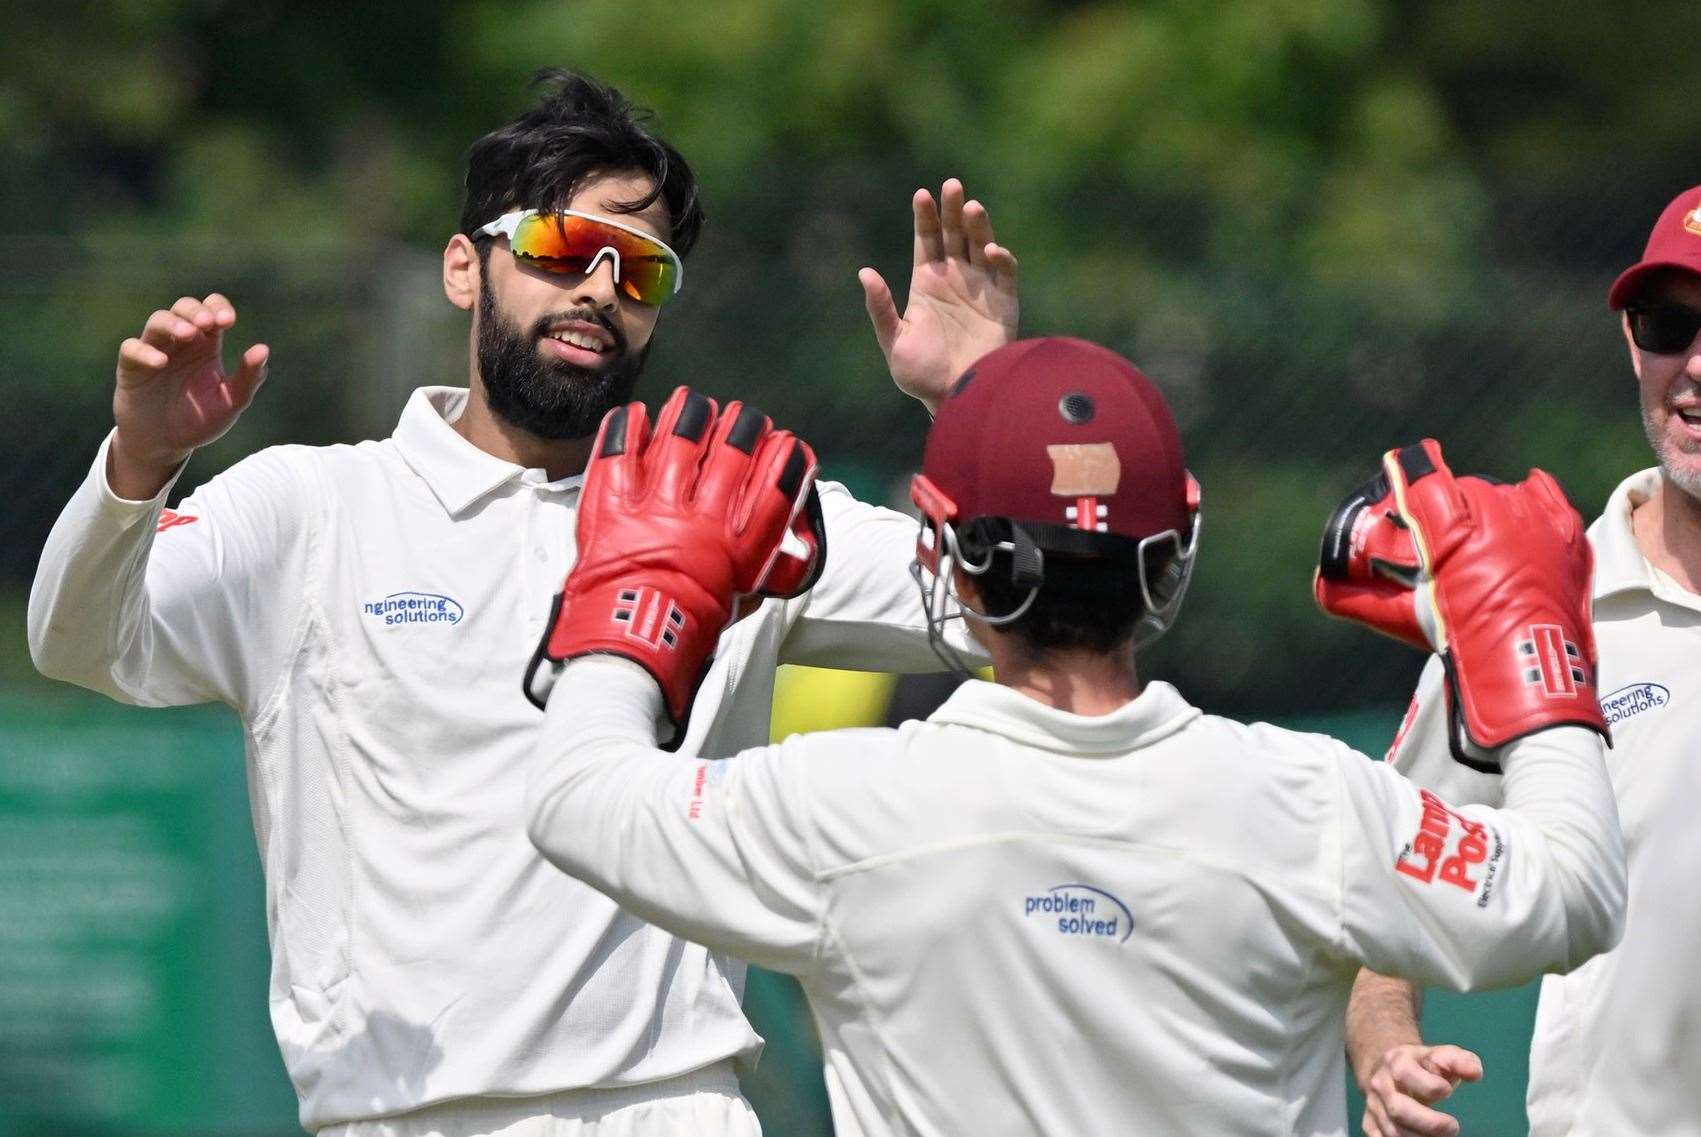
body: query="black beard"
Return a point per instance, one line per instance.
(550, 398)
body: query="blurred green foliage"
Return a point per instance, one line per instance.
(1323, 226)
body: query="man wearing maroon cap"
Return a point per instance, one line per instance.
(1617, 1043)
(1069, 902)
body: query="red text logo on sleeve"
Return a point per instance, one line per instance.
(704, 778)
(695, 810)
(170, 519)
(1449, 847)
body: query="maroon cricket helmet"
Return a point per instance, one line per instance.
(1674, 243)
(1061, 446)
(1065, 437)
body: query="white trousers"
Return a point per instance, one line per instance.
(704, 1103)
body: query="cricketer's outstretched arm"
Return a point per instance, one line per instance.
(1481, 897)
(714, 851)
(162, 608)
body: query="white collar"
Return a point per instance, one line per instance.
(1158, 712)
(458, 473)
(1619, 563)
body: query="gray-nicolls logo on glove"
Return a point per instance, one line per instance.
(641, 611)
(1556, 666)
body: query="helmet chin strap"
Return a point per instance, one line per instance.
(941, 602)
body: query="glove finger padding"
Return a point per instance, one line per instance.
(674, 456)
(1504, 597)
(673, 528)
(783, 493)
(1368, 565)
(798, 562)
(772, 491)
(726, 466)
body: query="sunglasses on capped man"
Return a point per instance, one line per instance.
(570, 243)
(1664, 329)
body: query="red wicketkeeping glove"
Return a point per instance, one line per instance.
(674, 526)
(1494, 578)
(1369, 565)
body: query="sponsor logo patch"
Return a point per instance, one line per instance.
(1628, 702)
(1080, 910)
(1451, 849)
(171, 519)
(697, 782)
(1692, 221)
(414, 608)
(707, 774)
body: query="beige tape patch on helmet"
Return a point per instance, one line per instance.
(1089, 469)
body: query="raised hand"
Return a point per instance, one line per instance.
(173, 393)
(962, 300)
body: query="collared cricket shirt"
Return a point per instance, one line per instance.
(369, 611)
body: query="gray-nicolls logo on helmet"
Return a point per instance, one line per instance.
(1054, 466)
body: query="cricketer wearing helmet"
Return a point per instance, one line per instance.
(1068, 901)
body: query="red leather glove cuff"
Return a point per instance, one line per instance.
(1521, 666)
(666, 623)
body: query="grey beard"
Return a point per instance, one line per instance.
(1686, 479)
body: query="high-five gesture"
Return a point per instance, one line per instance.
(962, 300)
(1493, 578)
(174, 394)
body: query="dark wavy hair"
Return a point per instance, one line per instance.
(579, 131)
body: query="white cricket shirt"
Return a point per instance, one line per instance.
(1616, 1050)
(369, 611)
(1013, 920)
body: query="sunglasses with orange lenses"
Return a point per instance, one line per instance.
(570, 243)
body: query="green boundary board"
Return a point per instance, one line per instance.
(133, 963)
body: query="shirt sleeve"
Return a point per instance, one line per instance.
(1421, 752)
(162, 607)
(715, 851)
(1473, 896)
(865, 613)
